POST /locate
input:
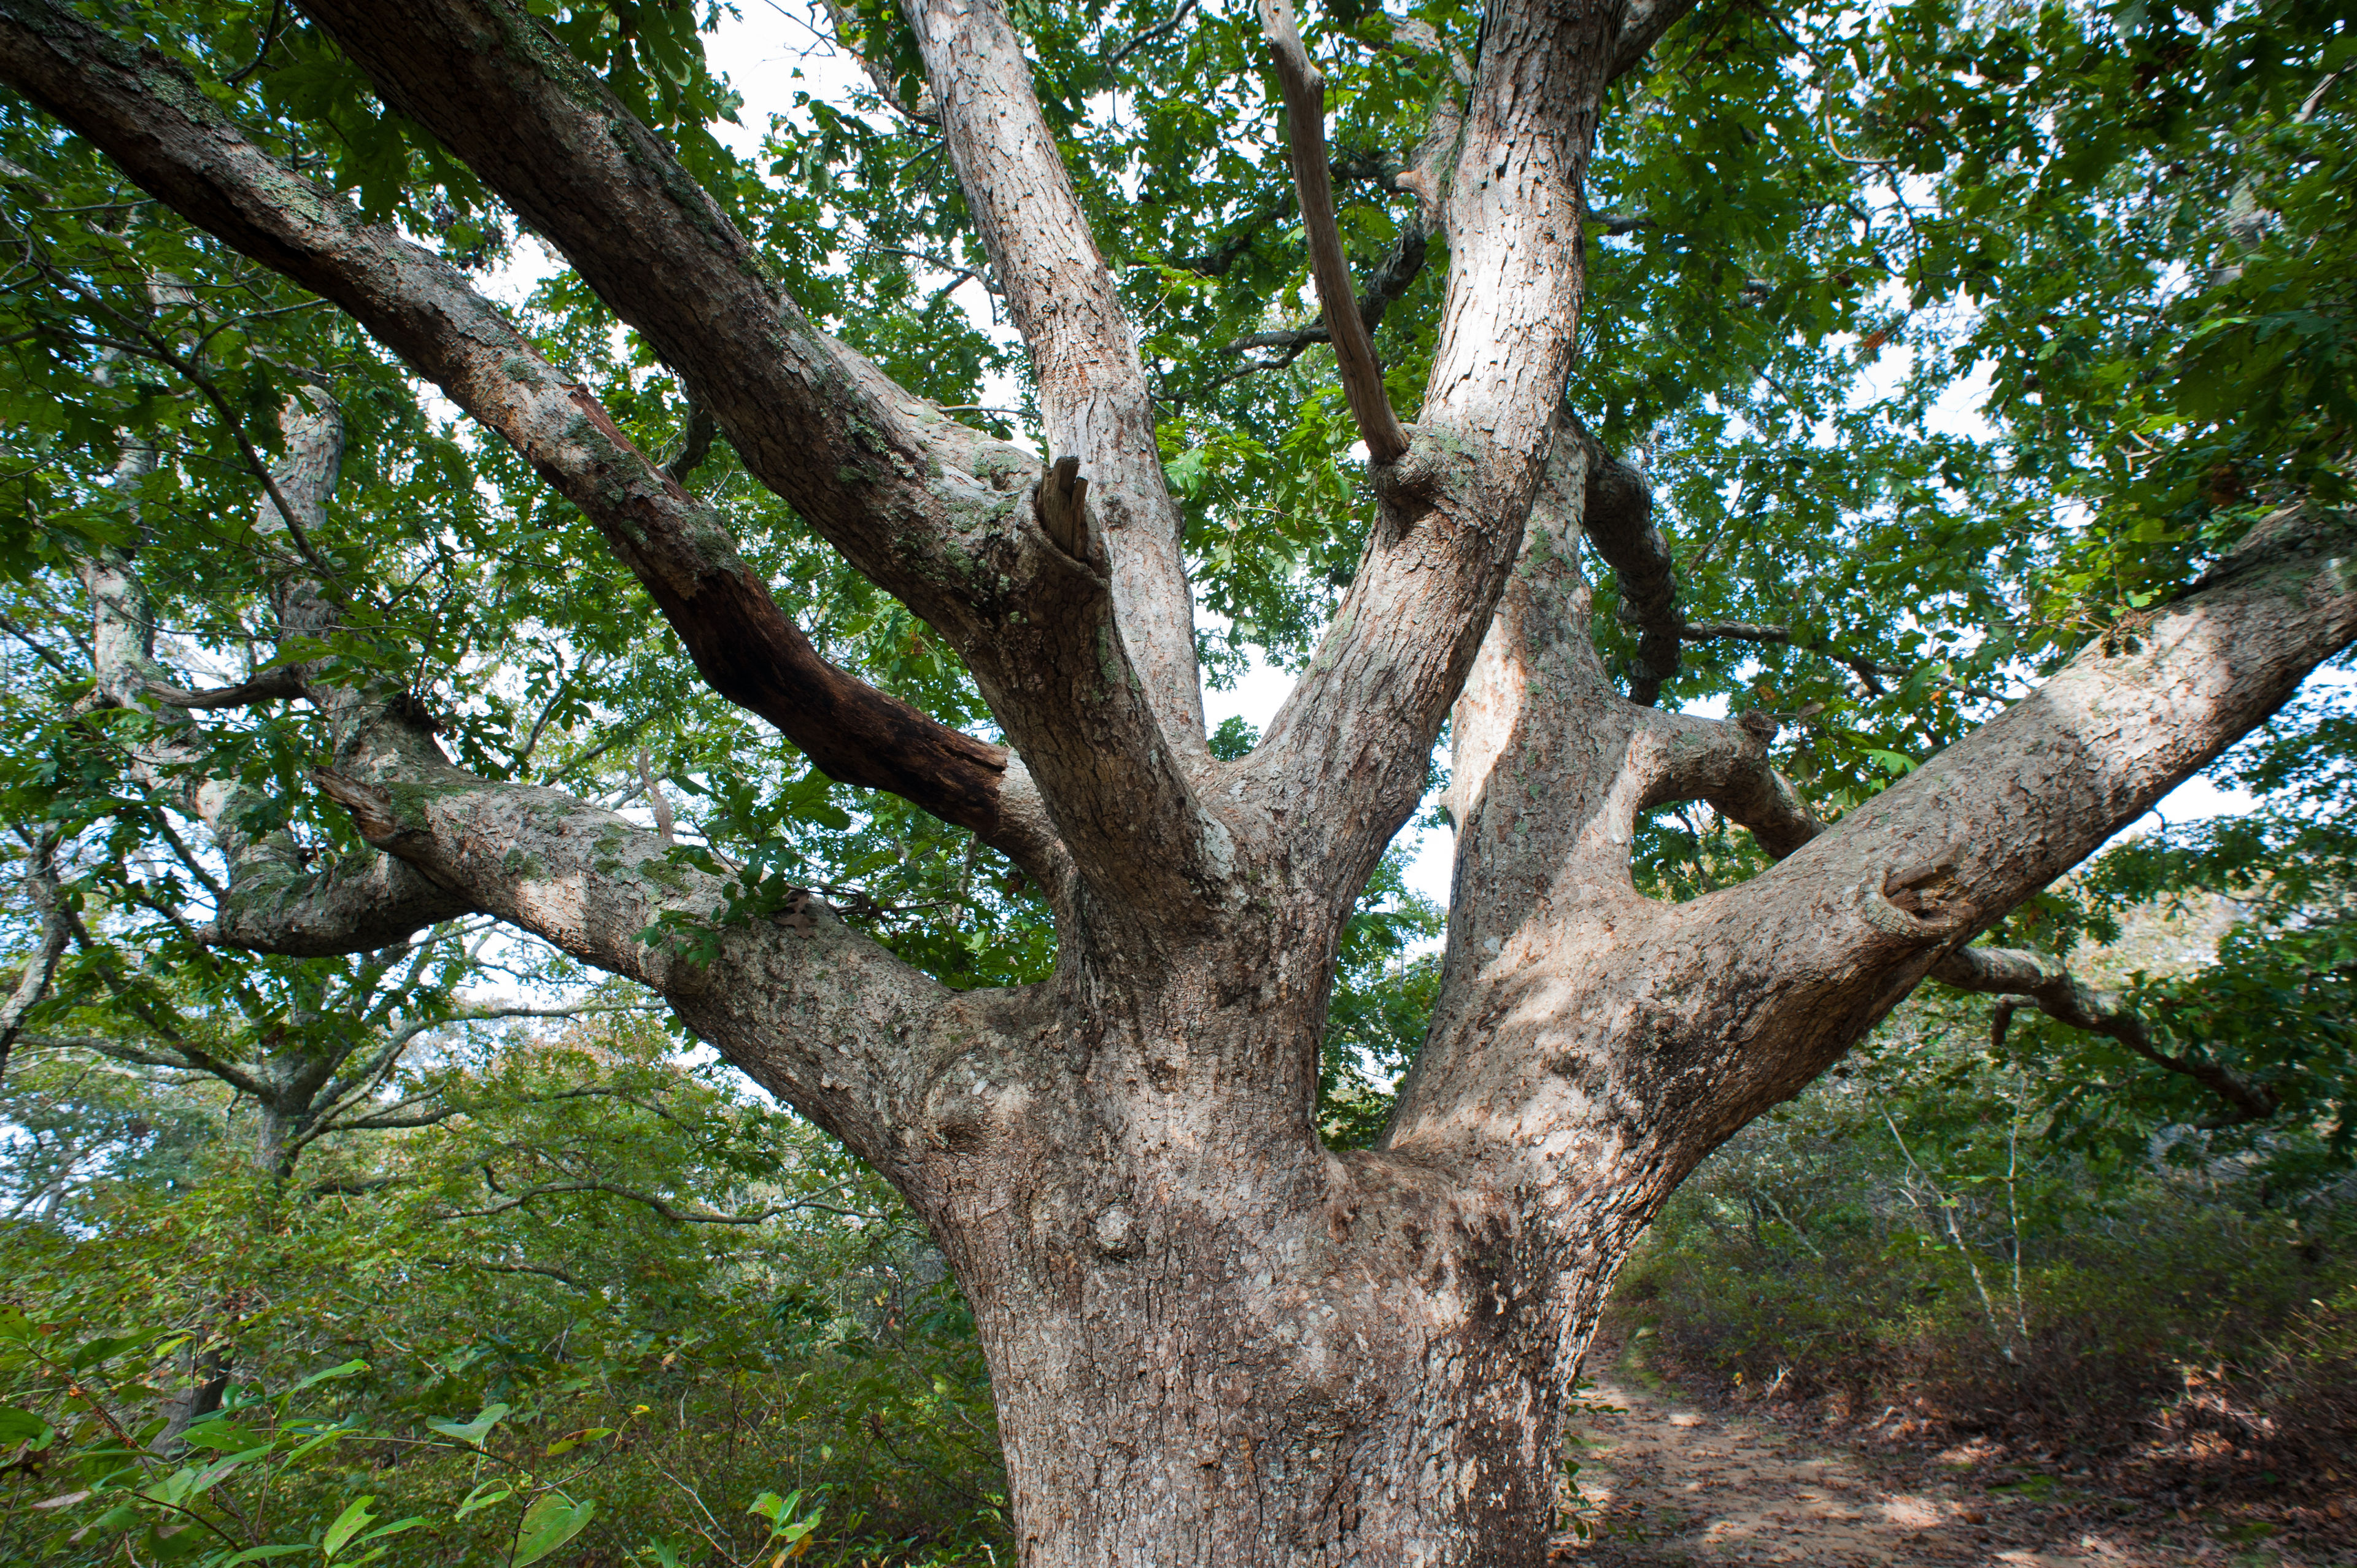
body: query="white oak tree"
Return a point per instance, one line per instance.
(1212, 1337)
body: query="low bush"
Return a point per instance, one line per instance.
(1929, 1257)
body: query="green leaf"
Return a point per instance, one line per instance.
(548, 1524)
(24, 1427)
(347, 1370)
(490, 1494)
(395, 1527)
(348, 1524)
(472, 1433)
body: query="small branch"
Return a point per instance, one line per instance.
(1159, 30)
(1614, 224)
(41, 965)
(880, 73)
(559, 1275)
(269, 36)
(1618, 518)
(695, 1215)
(1305, 112)
(44, 655)
(664, 821)
(1865, 669)
(695, 444)
(2032, 978)
(1391, 281)
(1641, 28)
(282, 684)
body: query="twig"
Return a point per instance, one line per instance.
(1159, 30)
(269, 36)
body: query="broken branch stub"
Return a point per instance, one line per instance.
(1063, 506)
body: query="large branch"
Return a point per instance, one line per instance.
(1641, 28)
(1865, 910)
(1095, 402)
(152, 120)
(862, 1046)
(1354, 347)
(941, 517)
(1575, 1011)
(2049, 984)
(1345, 758)
(1726, 764)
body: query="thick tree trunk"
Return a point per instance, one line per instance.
(1274, 1354)
(1213, 1340)
(1230, 1406)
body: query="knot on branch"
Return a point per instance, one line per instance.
(1922, 903)
(1433, 466)
(371, 805)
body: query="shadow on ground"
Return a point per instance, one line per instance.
(1666, 1482)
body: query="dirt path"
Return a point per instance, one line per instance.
(1667, 1482)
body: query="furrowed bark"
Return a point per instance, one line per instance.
(1095, 402)
(154, 122)
(1354, 347)
(943, 517)
(1344, 758)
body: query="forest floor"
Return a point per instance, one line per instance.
(1667, 1481)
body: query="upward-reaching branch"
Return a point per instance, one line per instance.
(1345, 758)
(1354, 348)
(1095, 402)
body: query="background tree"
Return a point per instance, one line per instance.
(1126, 1114)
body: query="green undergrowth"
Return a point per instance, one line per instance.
(1924, 1264)
(479, 1342)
